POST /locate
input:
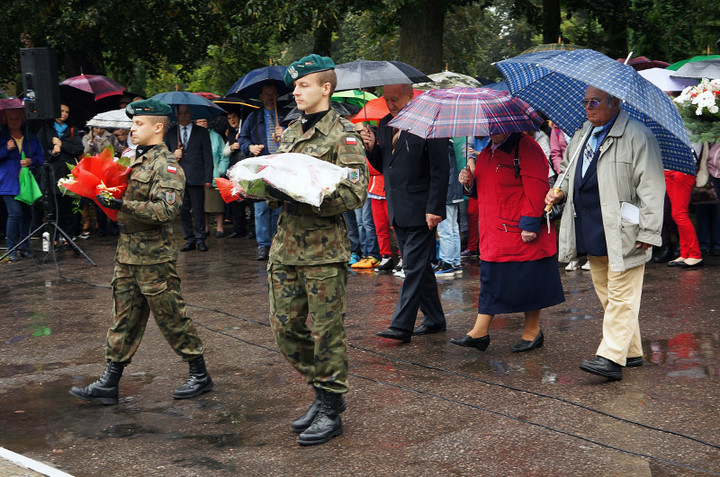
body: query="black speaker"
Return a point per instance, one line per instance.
(40, 81)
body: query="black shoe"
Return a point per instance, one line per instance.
(395, 334)
(105, 389)
(263, 253)
(470, 342)
(424, 329)
(202, 246)
(27, 253)
(676, 263)
(634, 362)
(525, 345)
(198, 381)
(234, 235)
(304, 421)
(386, 265)
(603, 367)
(327, 423)
(663, 255)
(219, 234)
(188, 246)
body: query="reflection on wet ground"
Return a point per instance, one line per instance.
(424, 408)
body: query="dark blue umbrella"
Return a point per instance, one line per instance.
(200, 107)
(250, 85)
(554, 82)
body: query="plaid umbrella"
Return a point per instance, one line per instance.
(98, 85)
(555, 81)
(361, 74)
(457, 112)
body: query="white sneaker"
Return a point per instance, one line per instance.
(399, 266)
(573, 265)
(586, 266)
(400, 273)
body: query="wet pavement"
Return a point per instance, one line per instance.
(425, 408)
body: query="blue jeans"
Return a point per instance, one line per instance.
(353, 233)
(265, 223)
(18, 222)
(366, 231)
(449, 235)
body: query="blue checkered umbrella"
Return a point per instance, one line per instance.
(457, 112)
(554, 82)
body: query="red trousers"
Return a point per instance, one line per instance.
(473, 224)
(679, 185)
(382, 225)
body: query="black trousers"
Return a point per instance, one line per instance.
(192, 214)
(419, 289)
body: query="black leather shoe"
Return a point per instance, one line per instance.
(395, 334)
(525, 345)
(202, 246)
(197, 383)
(634, 362)
(603, 367)
(327, 422)
(105, 389)
(664, 254)
(424, 329)
(676, 263)
(263, 253)
(304, 421)
(188, 246)
(470, 342)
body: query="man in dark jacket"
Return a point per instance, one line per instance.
(416, 181)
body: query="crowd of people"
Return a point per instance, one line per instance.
(429, 196)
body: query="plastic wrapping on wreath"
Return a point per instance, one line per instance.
(95, 175)
(228, 191)
(303, 178)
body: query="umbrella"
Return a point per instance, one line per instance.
(449, 79)
(376, 109)
(661, 78)
(361, 74)
(200, 107)
(98, 85)
(207, 95)
(11, 103)
(353, 96)
(458, 112)
(250, 85)
(500, 86)
(641, 63)
(551, 47)
(115, 119)
(241, 107)
(554, 82)
(676, 66)
(699, 69)
(343, 109)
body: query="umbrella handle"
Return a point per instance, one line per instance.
(548, 207)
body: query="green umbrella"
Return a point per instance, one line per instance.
(353, 96)
(676, 66)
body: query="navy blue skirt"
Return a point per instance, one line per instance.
(513, 287)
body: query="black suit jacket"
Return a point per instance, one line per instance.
(197, 161)
(416, 175)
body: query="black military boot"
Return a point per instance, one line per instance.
(104, 389)
(198, 381)
(304, 421)
(327, 423)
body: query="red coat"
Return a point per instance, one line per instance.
(507, 204)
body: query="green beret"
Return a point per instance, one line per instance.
(148, 107)
(307, 65)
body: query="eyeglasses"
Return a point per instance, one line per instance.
(593, 103)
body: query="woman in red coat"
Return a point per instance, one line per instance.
(518, 262)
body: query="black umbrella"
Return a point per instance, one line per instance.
(343, 109)
(361, 74)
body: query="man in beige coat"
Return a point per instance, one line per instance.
(615, 191)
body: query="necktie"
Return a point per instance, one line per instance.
(184, 136)
(590, 147)
(396, 134)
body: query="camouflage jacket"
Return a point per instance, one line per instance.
(150, 204)
(309, 235)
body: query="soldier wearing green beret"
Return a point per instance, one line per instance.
(145, 278)
(306, 268)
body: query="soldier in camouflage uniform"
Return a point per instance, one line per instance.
(145, 279)
(306, 269)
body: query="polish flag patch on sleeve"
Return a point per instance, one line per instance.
(350, 140)
(172, 169)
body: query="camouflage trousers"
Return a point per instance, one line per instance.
(139, 290)
(320, 354)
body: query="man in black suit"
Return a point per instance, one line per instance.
(191, 146)
(416, 181)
